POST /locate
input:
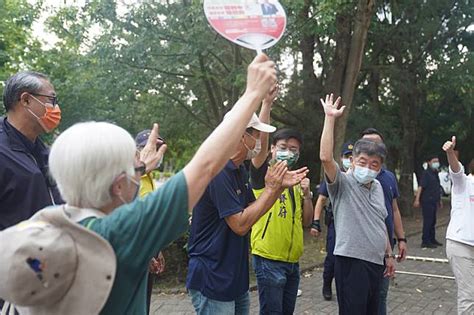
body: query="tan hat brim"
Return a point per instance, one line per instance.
(95, 272)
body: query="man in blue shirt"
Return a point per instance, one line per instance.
(25, 184)
(218, 273)
(394, 218)
(429, 196)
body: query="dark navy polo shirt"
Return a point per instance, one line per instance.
(219, 263)
(390, 192)
(323, 189)
(431, 186)
(25, 184)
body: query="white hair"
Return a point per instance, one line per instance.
(86, 158)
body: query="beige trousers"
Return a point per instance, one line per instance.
(461, 258)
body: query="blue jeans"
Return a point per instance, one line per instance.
(277, 283)
(383, 296)
(206, 306)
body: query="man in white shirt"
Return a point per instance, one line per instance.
(460, 234)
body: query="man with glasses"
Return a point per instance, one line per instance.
(362, 250)
(25, 184)
(277, 237)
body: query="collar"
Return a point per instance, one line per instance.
(17, 140)
(231, 166)
(78, 214)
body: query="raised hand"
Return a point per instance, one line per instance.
(261, 76)
(151, 154)
(275, 175)
(305, 186)
(292, 178)
(271, 96)
(449, 146)
(331, 108)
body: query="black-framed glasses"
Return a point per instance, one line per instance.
(53, 99)
(141, 169)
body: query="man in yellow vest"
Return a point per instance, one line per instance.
(277, 238)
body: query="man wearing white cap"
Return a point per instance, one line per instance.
(218, 273)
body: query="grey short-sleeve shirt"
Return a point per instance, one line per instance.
(359, 218)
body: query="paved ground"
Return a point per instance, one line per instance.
(409, 294)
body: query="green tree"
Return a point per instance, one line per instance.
(16, 19)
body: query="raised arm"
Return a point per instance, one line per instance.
(265, 118)
(318, 208)
(331, 111)
(453, 161)
(217, 148)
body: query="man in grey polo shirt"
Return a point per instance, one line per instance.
(362, 251)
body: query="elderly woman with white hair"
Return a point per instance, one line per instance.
(98, 171)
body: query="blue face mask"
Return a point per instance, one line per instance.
(364, 175)
(435, 165)
(346, 164)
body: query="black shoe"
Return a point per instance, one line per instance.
(327, 291)
(428, 245)
(437, 243)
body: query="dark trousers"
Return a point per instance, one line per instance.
(149, 290)
(328, 273)
(277, 283)
(429, 209)
(358, 285)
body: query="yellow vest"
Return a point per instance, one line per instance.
(278, 235)
(146, 185)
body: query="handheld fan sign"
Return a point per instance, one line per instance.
(254, 24)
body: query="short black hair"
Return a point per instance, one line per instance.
(430, 157)
(370, 148)
(25, 81)
(371, 131)
(285, 134)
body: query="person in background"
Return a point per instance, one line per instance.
(323, 203)
(460, 233)
(394, 219)
(277, 237)
(147, 185)
(428, 196)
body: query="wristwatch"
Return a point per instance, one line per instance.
(389, 255)
(402, 239)
(316, 225)
(310, 196)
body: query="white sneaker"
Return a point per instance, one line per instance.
(299, 292)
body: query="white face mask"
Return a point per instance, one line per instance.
(256, 150)
(364, 175)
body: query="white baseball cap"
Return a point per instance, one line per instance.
(257, 124)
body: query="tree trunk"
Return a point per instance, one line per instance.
(363, 16)
(408, 101)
